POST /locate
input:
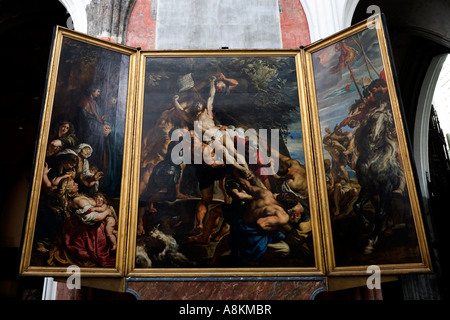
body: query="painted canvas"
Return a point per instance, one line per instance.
(77, 206)
(372, 207)
(223, 168)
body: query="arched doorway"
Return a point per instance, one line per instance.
(428, 93)
(441, 99)
(432, 153)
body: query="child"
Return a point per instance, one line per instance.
(91, 181)
(92, 210)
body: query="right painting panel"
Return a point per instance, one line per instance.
(371, 214)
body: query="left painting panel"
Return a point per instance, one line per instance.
(78, 205)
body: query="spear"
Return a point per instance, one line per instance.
(369, 63)
(348, 54)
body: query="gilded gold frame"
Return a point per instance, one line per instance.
(27, 268)
(132, 270)
(375, 23)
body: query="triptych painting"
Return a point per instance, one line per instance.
(223, 163)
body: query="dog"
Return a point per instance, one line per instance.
(159, 249)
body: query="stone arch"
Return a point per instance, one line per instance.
(421, 126)
(77, 10)
(106, 19)
(326, 17)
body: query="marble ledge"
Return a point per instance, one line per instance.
(144, 289)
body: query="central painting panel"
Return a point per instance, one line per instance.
(222, 169)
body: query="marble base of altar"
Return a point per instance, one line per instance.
(302, 288)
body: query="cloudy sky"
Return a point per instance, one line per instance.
(336, 92)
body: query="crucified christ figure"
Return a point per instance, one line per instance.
(216, 137)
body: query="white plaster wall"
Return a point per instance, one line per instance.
(213, 24)
(237, 24)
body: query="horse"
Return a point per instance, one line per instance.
(377, 168)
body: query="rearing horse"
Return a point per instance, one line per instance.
(377, 168)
